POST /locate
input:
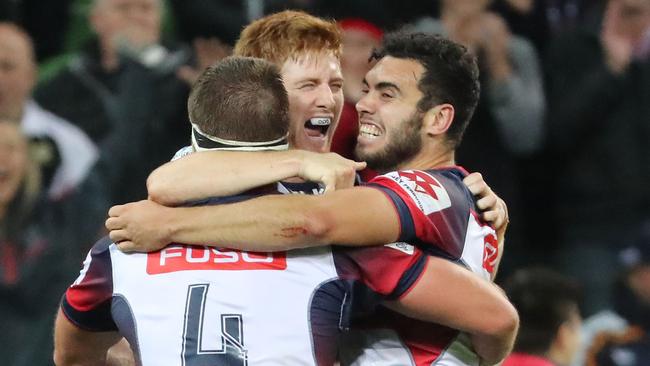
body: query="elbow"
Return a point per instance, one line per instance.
(158, 190)
(506, 329)
(509, 324)
(506, 322)
(498, 342)
(63, 358)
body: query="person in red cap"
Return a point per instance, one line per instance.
(359, 38)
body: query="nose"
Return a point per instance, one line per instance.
(365, 105)
(325, 97)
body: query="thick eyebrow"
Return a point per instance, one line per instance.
(387, 85)
(383, 85)
(307, 80)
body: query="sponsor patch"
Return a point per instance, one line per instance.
(425, 190)
(200, 258)
(402, 247)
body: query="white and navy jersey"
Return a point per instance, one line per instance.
(194, 305)
(437, 214)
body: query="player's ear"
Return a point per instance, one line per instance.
(436, 121)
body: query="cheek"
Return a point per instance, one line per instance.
(338, 101)
(296, 110)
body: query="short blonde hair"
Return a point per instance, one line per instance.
(288, 34)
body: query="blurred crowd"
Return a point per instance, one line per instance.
(93, 98)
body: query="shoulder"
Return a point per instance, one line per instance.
(101, 247)
(431, 190)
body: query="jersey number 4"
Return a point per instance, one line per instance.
(230, 353)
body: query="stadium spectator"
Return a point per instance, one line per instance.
(620, 336)
(122, 90)
(76, 152)
(548, 306)
(539, 21)
(509, 121)
(35, 259)
(599, 92)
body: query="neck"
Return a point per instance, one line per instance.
(430, 159)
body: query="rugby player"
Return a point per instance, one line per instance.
(420, 97)
(217, 306)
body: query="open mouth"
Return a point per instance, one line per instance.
(318, 126)
(369, 131)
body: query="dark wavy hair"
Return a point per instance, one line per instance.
(451, 74)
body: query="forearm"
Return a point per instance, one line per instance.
(76, 347)
(219, 173)
(466, 301)
(273, 223)
(245, 226)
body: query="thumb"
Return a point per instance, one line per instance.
(361, 165)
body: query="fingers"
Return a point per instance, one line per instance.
(118, 235)
(114, 223)
(487, 203)
(126, 246)
(476, 184)
(490, 216)
(116, 210)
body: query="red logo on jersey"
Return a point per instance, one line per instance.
(490, 252)
(423, 182)
(196, 258)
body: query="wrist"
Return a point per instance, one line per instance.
(173, 224)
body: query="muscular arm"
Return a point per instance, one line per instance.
(74, 346)
(358, 216)
(450, 295)
(225, 173)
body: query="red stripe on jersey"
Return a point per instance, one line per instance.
(95, 286)
(198, 258)
(425, 229)
(380, 268)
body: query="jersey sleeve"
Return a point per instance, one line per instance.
(87, 302)
(389, 271)
(433, 209)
